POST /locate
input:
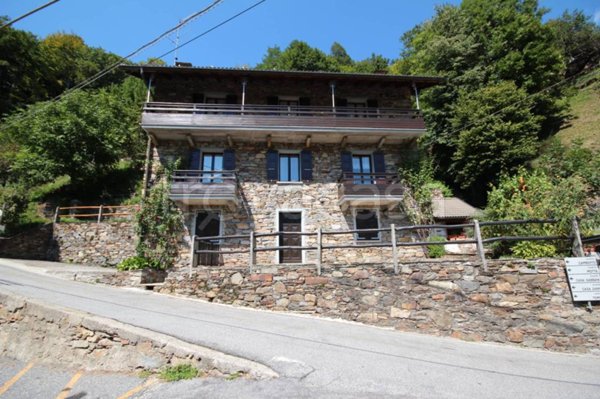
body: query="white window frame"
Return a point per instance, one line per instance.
(289, 152)
(302, 230)
(378, 215)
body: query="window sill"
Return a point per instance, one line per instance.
(290, 183)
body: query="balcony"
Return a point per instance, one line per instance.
(371, 190)
(172, 121)
(206, 188)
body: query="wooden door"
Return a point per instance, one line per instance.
(290, 222)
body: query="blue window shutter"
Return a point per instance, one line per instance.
(195, 159)
(272, 165)
(379, 163)
(306, 164)
(346, 162)
(229, 159)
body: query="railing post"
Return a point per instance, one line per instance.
(394, 247)
(56, 212)
(577, 244)
(480, 250)
(192, 253)
(100, 214)
(319, 250)
(251, 251)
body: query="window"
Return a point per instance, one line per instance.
(366, 219)
(361, 168)
(289, 167)
(212, 162)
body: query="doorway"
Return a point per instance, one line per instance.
(290, 222)
(208, 224)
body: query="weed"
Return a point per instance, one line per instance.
(179, 372)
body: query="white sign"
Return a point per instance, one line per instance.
(584, 278)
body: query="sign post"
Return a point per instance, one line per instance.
(584, 279)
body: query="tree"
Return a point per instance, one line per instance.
(339, 55)
(298, 56)
(376, 63)
(478, 44)
(579, 38)
(490, 143)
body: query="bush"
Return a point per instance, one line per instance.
(531, 250)
(179, 372)
(138, 263)
(436, 251)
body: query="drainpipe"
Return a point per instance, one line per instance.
(244, 83)
(147, 168)
(416, 94)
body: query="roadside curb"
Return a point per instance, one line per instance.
(95, 342)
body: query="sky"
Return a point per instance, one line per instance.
(362, 27)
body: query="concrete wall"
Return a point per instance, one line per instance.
(317, 200)
(518, 302)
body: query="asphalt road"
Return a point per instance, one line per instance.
(317, 357)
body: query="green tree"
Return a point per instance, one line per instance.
(579, 38)
(298, 56)
(340, 56)
(478, 44)
(490, 143)
(376, 63)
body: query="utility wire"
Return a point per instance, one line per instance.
(29, 13)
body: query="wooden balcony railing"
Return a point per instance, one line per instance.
(370, 189)
(205, 187)
(237, 115)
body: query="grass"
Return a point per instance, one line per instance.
(233, 376)
(179, 372)
(586, 118)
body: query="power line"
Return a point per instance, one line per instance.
(29, 13)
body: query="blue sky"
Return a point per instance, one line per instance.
(362, 27)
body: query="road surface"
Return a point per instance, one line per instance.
(317, 357)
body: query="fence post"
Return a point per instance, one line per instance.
(100, 214)
(56, 214)
(480, 250)
(252, 248)
(319, 250)
(394, 247)
(192, 253)
(577, 244)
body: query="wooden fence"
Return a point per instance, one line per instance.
(393, 243)
(95, 213)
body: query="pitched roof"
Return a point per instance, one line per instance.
(420, 81)
(452, 208)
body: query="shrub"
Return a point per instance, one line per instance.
(530, 250)
(436, 251)
(138, 263)
(179, 372)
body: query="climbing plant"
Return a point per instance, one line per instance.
(159, 223)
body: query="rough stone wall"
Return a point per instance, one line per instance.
(317, 200)
(30, 330)
(102, 244)
(518, 302)
(32, 244)
(183, 88)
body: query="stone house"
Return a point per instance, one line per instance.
(270, 151)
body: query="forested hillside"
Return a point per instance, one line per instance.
(517, 87)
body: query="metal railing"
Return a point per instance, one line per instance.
(95, 213)
(280, 110)
(393, 243)
(204, 176)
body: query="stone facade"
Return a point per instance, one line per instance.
(32, 244)
(262, 200)
(525, 303)
(102, 244)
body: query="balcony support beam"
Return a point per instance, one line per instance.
(269, 141)
(153, 139)
(344, 142)
(229, 140)
(381, 142)
(307, 142)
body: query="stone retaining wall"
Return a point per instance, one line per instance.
(518, 302)
(31, 244)
(102, 244)
(30, 330)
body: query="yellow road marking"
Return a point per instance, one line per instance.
(135, 390)
(65, 391)
(16, 378)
